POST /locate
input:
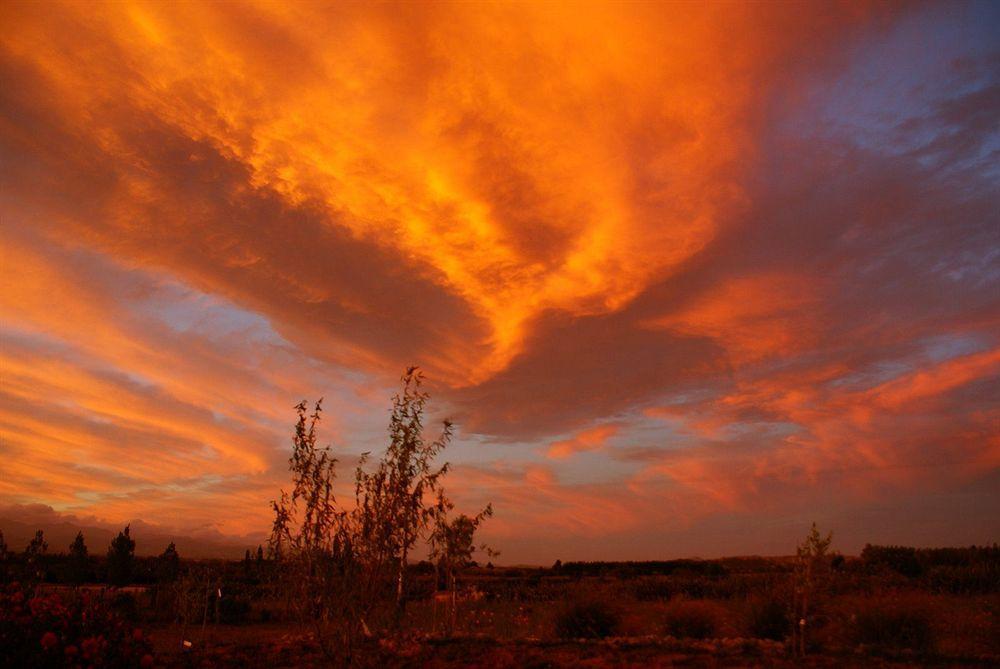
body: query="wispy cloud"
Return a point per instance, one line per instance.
(703, 244)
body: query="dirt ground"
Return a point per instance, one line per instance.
(286, 646)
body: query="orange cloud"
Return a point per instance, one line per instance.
(517, 192)
(894, 435)
(567, 214)
(937, 380)
(753, 317)
(587, 440)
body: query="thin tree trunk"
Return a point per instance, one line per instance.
(454, 601)
(400, 588)
(204, 615)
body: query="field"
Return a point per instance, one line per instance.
(891, 607)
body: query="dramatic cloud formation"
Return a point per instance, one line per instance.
(687, 277)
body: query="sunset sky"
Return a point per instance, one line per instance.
(686, 277)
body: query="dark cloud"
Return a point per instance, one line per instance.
(713, 235)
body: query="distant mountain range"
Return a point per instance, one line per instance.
(20, 522)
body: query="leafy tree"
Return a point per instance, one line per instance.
(79, 559)
(812, 569)
(121, 556)
(34, 553)
(260, 553)
(392, 498)
(321, 577)
(168, 564)
(78, 549)
(453, 540)
(345, 568)
(453, 544)
(37, 546)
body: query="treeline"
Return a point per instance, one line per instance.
(915, 562)
(964, 570)
(39, 562)
(75, 565)
(974, 569)
(644, 568)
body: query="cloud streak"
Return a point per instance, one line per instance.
(664, 266)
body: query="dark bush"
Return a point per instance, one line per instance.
(768, 618)
(662, 588)
(900, 559)
(66, 630)
(964, 580)
(690, 620)
(707, 568)
(419, 589)
(653, 589)
(587, 620)
(233, 610)
(893, 627)
(125, 606)
(423, 567)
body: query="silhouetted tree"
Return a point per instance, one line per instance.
(345, 568)
(3, 547)
(812, 568)
(79, 559)
(404, 476)
(452, 545)
(168, 564)
(78, 549)
(34, 552)
(37, 546)
(121, 556)
(260, 553)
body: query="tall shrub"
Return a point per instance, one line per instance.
(344, 567)
(121, 556)
(812, 569)
(452, 544)
(79, 559)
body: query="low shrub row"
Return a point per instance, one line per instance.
(880, 624)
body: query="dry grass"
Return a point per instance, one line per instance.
(522, 627)
(693, 619)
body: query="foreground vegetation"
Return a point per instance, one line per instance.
(336, 585)
(735, 611)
